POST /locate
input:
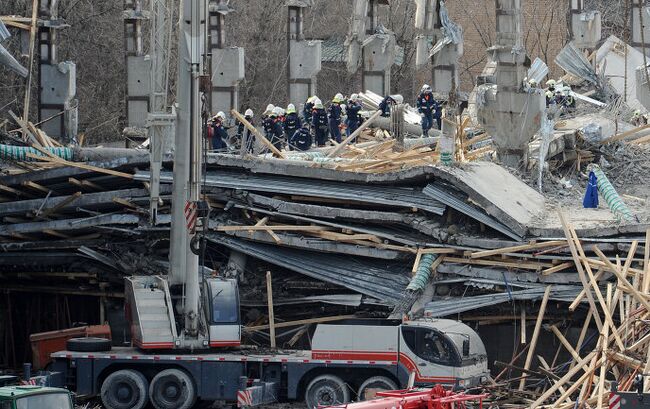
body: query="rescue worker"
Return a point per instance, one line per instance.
(532, 83)
(569, 101)
(308, 108)
(550, 85)
(292, 121)
(219, 134)
(437, 114)
(301, 139)
(353, 110)
(334, 112)
(638, 119)
(277, 129)
(559, 97)
(386, 105)
(319, 123)
(426, 106)
(268, 122)
(247, 137)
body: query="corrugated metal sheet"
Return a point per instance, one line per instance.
(379, 279)
(456, 305)
(452, 201)
(4, 33)
(385, 195)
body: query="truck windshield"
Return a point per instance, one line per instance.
(46, 400)
(225, 305)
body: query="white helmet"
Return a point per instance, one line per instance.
(269, 109)
(249, 113)
(291, 108)
(318, 103)
(277, 111)
(220, 115)
(354, 97)
(551, 83)
(426, 87)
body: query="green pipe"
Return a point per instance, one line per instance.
(614, 201)
(19, 153)
(422, 274)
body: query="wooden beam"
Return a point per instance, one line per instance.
(624, 135)
(63, 162)
(32, 42)
(626, 284)
(257, 133)
(533, 341)
(300, 322)
(36, 186)
(269, 299)
(558, 384)
(270, 228)
(354, 134)
(517, 249)
(559, 267)
(573, 245)
(60, 205)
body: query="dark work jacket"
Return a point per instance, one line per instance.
(291, 123)
(334, 112)
(319, 119)
(301, 140)
(353, 113)
(426, 103)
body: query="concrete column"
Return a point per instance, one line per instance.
(227, 62)
(378, 53)
(58, 80)
(138, 66)
(585, 27)
(304, 59)
(511, 114)
(640, 26)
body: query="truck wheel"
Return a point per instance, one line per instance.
(172, 389)
(371, 386)
(125, 389)
(326, 390)
(89, 344)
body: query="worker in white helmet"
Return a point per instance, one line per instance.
(246, 137)
(334, 112)
(292, 121)
(219, 133)
(550, 85)
(353, 111)
(308, 108)
(319, 123)
(550, 98)
(427, 107)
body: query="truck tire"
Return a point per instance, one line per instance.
(89, 344)
(172, 389)
(326, 390)
(125, 389)
(376, 383)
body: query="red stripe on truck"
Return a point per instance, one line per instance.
(354, 355)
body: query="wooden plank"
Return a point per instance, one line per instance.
(269, 299)
(124, 202)
(257, 133)
(603, 365)
(526, 265)
(517, 249)
(522, 326)
(32, 43)
(80, 165)
(36, 186)
(535, 336)
(271, 228)
(27, 135)
(354, 135)
(16, 192)
(581, 272)
(622, 280)
(580, 296)
(56, 234)
(563, 380)
(646, 264)
(64, 203)
(416, 263)
(300, 322)
(624, 135)
(559, 267)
